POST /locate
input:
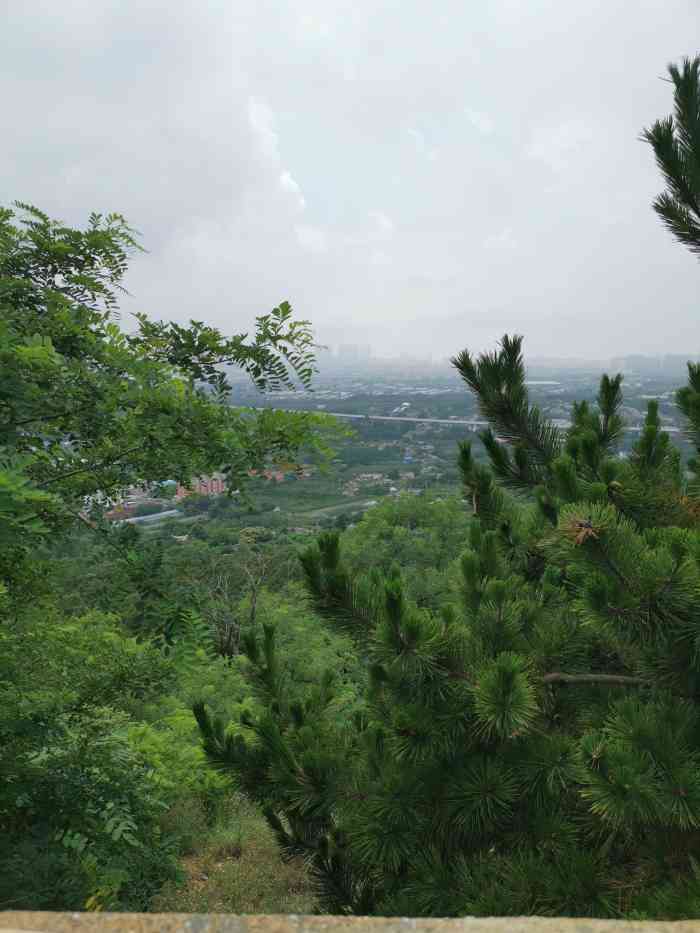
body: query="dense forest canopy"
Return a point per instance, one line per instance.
(482, 702)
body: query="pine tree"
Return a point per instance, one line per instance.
(533, 749)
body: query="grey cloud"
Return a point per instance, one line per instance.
(416, 176)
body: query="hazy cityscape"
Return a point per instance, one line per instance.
(362, 385)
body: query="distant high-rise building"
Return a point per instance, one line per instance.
(677, 363)
(636, 363)
(353, 353)
(669, 364)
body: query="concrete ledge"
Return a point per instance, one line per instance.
(32, 922)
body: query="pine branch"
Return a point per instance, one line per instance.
(688, 400)
(612, 679)
(498, 382)
(679, 220)
(676, 144)
(352, 605)
(610, 401)
(488, 500)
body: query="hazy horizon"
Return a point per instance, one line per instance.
(335, 353)
(419, 179)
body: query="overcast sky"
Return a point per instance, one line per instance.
(421, 176)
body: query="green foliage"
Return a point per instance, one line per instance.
(95, 631)
(68, 664)
(80, 809)
(421, 534)
(86, 410)
(178, 766)
(281, 343)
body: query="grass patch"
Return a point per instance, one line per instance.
(237, 868)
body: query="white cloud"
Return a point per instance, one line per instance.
(262, 142)
(503, 240)
(428, 152)
(311, 239)
(290, 184)
(310, 28)
(379, 258)
(480, 121)
(262, 123)
(384, 225)
(261, 120)
(557, 146)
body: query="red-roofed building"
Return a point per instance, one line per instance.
(214, 485)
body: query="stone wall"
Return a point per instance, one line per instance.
(14, 921)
